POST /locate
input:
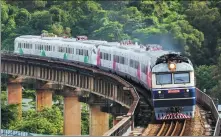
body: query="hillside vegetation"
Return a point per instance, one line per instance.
(191, 27)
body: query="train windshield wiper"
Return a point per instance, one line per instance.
(183, 81)
(180, 79)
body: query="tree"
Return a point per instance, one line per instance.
(207, 20)
(9, 113)
(57, 29)
(22, 17)
(204, 77)
(41, 20)
(111, 32)
(47, 121)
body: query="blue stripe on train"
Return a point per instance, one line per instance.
(181, 94)
(172, 102)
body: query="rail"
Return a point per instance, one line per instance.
(120, 128)
(204, 99)
(117, 130)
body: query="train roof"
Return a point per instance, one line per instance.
(57, 39)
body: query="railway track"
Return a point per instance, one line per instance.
(172, 128)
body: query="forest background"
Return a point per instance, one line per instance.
(190, 27)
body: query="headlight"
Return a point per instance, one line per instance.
(172, 66)
(159, 92)
(187, 90)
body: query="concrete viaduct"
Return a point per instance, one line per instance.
(75, 83)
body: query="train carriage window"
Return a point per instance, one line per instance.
(144, 68)
(122, 60)
(116, 58)
(131, 63)
(85, 52)
(80, 51)
(101, 55)
(162, 79)
(181, 78)
(106, 56)
(109, 57)
(136, 64)
(77, 51)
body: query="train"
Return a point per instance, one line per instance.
(168, 75)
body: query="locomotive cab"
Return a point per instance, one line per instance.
(172, 85)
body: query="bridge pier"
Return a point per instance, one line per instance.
(43, 95)
(99, 121)
(72, 112)
(14, 91)
(72, 116)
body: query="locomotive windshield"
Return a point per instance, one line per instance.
(164, 79)
(181, 78)
(178, 78)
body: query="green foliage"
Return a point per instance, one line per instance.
(28, 94)
(48, 121)
(58, 101)
(204, 77)
(110, 121)
(84, 119)
(190, 27)
(9, 113)
(206, 19)
(216, 92)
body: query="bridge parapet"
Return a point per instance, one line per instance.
(207, 101)
(74, 75)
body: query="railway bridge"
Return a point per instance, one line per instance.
(78, 83)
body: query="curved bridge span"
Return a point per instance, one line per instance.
(89, 80)
(77, 76)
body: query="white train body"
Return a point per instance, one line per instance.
(128, 60)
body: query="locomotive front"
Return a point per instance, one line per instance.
(173, 87)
